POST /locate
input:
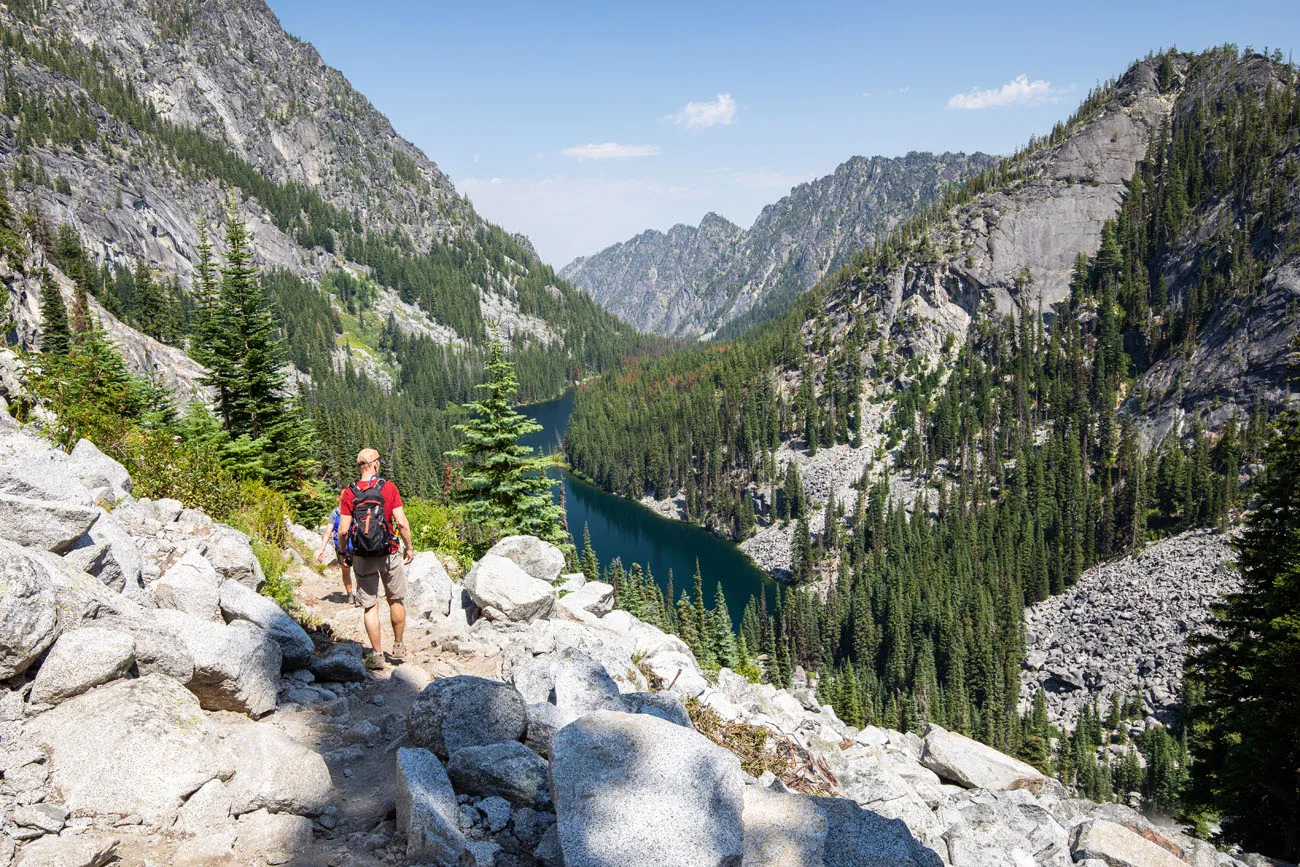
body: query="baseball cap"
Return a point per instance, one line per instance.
(366, 456)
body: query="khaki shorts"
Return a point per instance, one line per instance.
(367, 572)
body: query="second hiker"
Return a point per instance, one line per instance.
(371, 517)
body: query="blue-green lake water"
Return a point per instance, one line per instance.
(625, 529)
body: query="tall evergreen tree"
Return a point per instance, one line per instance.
(55, 333)
(1246, 724)
(506, 488)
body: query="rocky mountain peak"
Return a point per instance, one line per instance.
(694, 279)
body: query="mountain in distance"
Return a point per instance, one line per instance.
(125, 128)
(693, 280)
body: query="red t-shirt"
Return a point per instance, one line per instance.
(392, 500)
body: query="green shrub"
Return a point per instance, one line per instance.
(279, 586)
(436, 528)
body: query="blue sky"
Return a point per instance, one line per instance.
(581, 124)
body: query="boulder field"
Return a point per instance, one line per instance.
(155, 709)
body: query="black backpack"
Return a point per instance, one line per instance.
(370, 533)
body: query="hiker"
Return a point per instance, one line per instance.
(369, 510)
(330, 539)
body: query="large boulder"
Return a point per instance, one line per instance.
(98, 472)
(855, 836)
(240, 603)
(133, 747)
(81, 659)
(236, 667)
(109, 553)
(78, 850)
(427, 812)
(595, 598)
(275, 773)
(29, 615)
(508, 770)
(190, 586)
(571, 680)
(429, 589)
(32, 467)
(783, 829)
(466, 711)
(231, 553)
(43, 524)
(1118, 846)
(501, 584)
(159, 648)
(342, 663)
(632, 789)
(974, 765)
(541, 560)
(263, 837)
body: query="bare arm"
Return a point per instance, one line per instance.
(324, 542)
(345, 524)
(404, 530)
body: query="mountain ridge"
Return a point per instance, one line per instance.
(692, 280)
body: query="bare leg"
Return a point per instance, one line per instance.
(347, 578)
(371, 618)
(397, 611)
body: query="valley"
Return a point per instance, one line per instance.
(951, 500)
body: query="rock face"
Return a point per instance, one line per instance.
(620, 797)
(969, 763)
(692, 280)
(1123, 628)
(500, 584)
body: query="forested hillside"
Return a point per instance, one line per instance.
(696, 280)
(1076, 352)
(124, 129)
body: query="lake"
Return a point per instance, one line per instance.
(625, 529)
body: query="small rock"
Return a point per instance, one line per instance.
(49, 818)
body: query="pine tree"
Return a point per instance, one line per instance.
(56, 336)
(590, 563)
(506, 488)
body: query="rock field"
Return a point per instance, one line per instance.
(1125, 626)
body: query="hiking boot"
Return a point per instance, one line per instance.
(398, 654)
(374, 661)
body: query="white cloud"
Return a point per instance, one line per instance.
(699, 115)
(866, 93)
(764, 179)
(610, 151)
(898, 91)
(1019, 91)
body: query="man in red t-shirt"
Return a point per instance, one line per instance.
(367, 572)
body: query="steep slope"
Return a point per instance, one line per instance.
(694, 280)
(132, 123)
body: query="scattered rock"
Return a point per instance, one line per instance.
(594, 597)
(79, 660)
(236, 667)
(466, 711)
(109, 553)
(28, 613)
(427, 810)
(343, 663)
(276, 838)
(231, 553)
(496, 582)
(49, 818)
(622, 796)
